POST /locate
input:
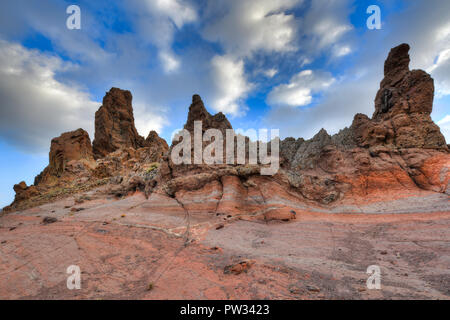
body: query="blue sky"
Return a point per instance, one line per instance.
(293, 65)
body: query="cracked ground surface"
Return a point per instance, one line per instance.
(122, 247)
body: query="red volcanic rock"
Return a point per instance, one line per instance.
(23, 192)
(114, 124)
(399, 150)
(397, 61)
(65, 151)
(239, 268)
(153, 139)
(281, 214)
(75, 145)
(156, 146)
(403, 106)
(198, 112)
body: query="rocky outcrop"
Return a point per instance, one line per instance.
(399, 151)
(157, 146)
(23, 192)
(198, 112)
(68, 150)
(125, 160)
(114, 124)
(391, 151)
(403, 106)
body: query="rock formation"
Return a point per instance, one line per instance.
(114, 124)
(402, 108)
(198, 112)
(397, 151)
(66, 150)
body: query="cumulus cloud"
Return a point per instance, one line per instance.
(230, 84)
(300, 90)
(252, 25)
(325, 24)
(158, 20)
(35, 105)
(335, 111)
(429, 37)
(441, 71)
(270, 73)
(179, 11)
(444, 124)
(243, 28)
(146, 121)
(250, 29)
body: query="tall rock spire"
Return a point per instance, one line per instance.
(198, 112)
(114, 124)
(403, 106)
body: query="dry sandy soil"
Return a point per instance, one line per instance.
(123, 247)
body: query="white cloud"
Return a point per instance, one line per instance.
(300, 90)
(35, 106)
(429, 37)
(248, 26)
(444, 124)
(243, 28)
(158, 20)
(170, 62)
(247, 29)
(441, 71)
(334, 112)
(230, 83)
(146, 121)
(270, 73)
(179, 11)
(341, 51)
(325, 24)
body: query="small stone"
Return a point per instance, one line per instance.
(49, 220)
(237, 269)
(311, 288)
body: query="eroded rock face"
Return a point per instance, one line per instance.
(23, 192)
(65, 152)
(198, 112)
(75, 145)
(114, 124)
(157, 146)
(397, 151)
(391, 151)
(403, 106)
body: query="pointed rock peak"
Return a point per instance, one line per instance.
(398, 60)
(153, 135)
(198, 112)
(154, 139)
(196, 98)
(322, 134)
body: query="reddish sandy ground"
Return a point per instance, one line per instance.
(123, 246)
